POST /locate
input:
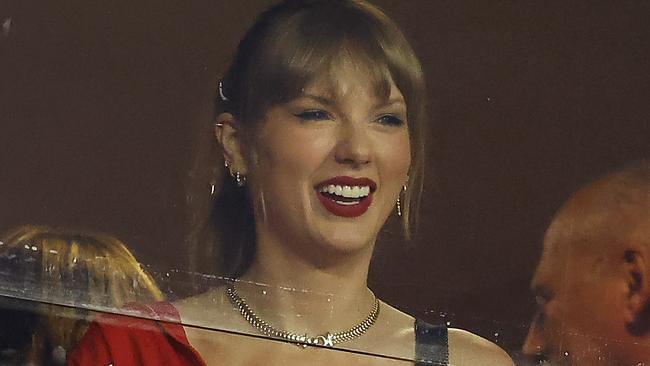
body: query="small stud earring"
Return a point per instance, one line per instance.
(240, 178)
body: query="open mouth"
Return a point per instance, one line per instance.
(346, 196)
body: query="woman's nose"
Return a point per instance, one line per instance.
(353, 145)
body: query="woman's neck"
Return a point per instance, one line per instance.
(298, 295)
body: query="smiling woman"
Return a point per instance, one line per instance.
(321, 124)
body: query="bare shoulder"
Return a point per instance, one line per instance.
(396, 316)
(468, 349)
(392, 333)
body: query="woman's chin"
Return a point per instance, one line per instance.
(348, 241)
(348, 233)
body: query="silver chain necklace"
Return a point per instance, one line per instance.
(327, 340)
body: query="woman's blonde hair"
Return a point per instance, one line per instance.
(76, 269)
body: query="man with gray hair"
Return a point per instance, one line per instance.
(592, 284)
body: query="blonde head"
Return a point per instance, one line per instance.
(80, 270)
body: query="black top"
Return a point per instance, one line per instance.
(431, 344)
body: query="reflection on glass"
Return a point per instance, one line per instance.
(528, 101)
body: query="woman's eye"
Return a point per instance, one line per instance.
(390, 120)
(314, 115)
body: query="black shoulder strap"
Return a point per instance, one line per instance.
(431, 345)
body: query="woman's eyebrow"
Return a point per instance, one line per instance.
(330, 101)
(390, 103)
(318, 98)
(393, 101)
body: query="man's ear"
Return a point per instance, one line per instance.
(228, 134)
(638, 288)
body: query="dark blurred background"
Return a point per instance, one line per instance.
(101, 101)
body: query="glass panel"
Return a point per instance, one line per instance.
(129, 201)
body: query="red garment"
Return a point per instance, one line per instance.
(121, 340)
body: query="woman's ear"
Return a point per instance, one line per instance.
(228, 134)
(637, 286)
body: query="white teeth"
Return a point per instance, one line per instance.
(346, 191)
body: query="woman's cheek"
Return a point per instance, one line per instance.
(304, 148)
(395, 153)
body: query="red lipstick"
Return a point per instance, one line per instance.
(342, 202)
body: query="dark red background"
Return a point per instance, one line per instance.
(100, 102)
